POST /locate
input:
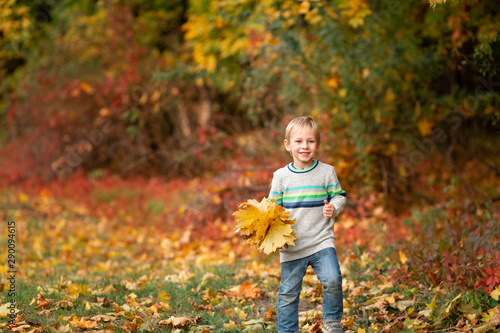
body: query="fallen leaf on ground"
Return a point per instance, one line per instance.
(314, 328)
(82, 322)
(177, 322)
(230, 326)
(247, 290)
(201, 306)
(5, 310)
(41, 302)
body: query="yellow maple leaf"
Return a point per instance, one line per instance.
(264, 224)
(82, 322)
(230, 326)
(495, 293)
(240, 313)
(488, 315)
(278, 235)
(250, 215)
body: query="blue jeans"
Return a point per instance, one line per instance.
(326, 266)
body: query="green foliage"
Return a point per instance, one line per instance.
(382, 82)
(16, 32)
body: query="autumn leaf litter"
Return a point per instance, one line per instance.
(89, 272)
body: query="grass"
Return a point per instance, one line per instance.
(179, 295)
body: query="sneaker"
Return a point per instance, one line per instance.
(332, 326)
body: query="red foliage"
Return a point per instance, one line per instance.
(461, 254)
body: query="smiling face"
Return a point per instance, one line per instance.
(303, 145)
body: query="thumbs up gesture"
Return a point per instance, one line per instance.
(328, 209)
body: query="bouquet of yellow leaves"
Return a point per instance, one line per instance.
(265, 224)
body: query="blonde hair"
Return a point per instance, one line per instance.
(300, 123)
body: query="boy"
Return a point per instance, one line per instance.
(311, 192)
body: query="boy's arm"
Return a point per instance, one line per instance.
(338, 202)
(337, 195)
(276, 192)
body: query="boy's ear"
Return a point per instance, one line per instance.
(287, 146)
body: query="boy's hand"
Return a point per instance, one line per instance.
(328, 209)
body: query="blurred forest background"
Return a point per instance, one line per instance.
(130, 130)
(406, 92)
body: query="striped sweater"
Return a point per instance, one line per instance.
(302, 192)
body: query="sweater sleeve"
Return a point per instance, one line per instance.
(336, 195)
(276, 190)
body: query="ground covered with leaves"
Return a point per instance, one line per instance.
(103, 254)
